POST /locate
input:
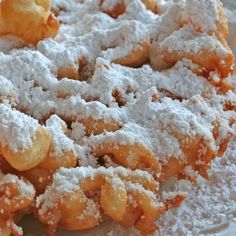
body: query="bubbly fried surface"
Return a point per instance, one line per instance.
(128, 96)
(29, 20)
(15, 194)
(119, 191)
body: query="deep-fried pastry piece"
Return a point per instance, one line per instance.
(71, 72)
(40, 177)
(5, 167)
(29, 158)
(230, 106)
(132, 155)
(113, 11)
(30, 20)
(151, 5)
(128, 46)
(5, 231)
(201, 39)
(61, 154)
(12, 194)
(222, 85)
(61, 151)
(23, 142)
(137, 57)
(198, 155)
(15, 194)
(204, 50)
(222, 143)
(121, 193)
(98, 126)
(212, 18)
(119, 7)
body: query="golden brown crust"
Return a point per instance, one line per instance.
(27, 159)
(208, 61)
(99, 126)
(120, 7)
(133, 156)
(36, 22)
(137, 57)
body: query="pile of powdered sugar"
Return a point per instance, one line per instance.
(211, 204)
(31, 74)
(208, 202)
(208, 206)
(16, 129)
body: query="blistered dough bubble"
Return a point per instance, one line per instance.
(28, 19)
(24, 143)
(31, 157)
(16, 194)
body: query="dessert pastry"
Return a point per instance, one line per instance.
(29, 20)
(128, 197)
(128, 95)
(16, 195)
(203, 43)
(118, 7)
(24, 143)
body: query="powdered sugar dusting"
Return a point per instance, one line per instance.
(67, 181)
(155, 109)
(7, 90)
(25, 189)
(17, 130)
(189, 41)
(208, 202)
(60, 142)
(209, 17)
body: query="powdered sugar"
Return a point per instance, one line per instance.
(60, 142)
(7, 90)
(208, 202)
(67, 181)
(110, 4)
(186, 40)
(209, 17)
(41, 93)
(152, 107)
(25, 189)
(17, 130)
(9, 42)
(111, 44)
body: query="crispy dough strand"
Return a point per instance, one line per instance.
(15, 194)
(77, 208)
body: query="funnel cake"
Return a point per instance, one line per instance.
(129, 95)
(116, 8)
(31, 141)
(36, 21)
(203, 43)
(16, 195)
(126, 44)
(120, 191)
